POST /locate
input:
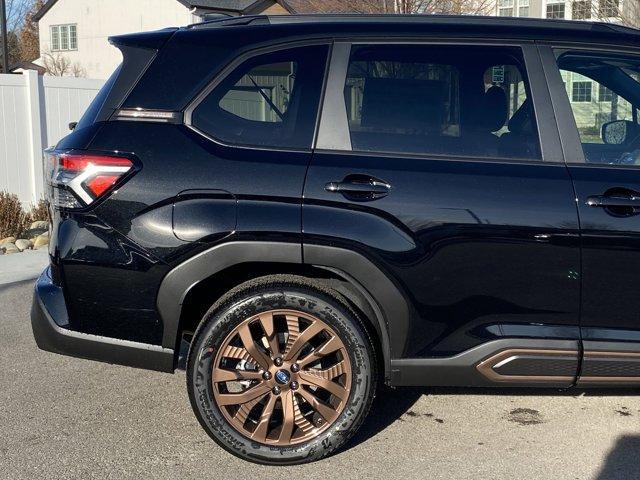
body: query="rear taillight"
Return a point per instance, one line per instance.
(77, 179)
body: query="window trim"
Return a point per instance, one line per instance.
(333, 132)
(334, 119)
(60, 27)
(227, 70)
(566, 122)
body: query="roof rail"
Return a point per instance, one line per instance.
(232, 21)
(458, 20)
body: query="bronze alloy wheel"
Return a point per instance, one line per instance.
(281, 377)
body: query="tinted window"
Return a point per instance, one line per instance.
(509, 79)
(270, 100)
(461, 101)
(263, 93)
(604, 93)
(91, 113)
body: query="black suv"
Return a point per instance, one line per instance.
(312, 206)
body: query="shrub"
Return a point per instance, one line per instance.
(13, 219)
(39, 211)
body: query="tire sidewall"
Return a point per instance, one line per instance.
(218, 324)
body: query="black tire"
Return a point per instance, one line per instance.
(261, 295)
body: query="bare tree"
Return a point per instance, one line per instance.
(460, 7)
(58, 65)
(55, 64)
(624, 12)
(77, 70)
(29, 41)
(16, 12)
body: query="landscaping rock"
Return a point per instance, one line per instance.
(23, 244)
(7, 240)
(32, 233)
(40, 224)
(10, 248)
(41, 241)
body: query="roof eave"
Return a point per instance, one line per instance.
(44, 9)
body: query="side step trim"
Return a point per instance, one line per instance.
(610, 364)
(526, 360)
(508, 362)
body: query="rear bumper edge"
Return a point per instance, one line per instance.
(49, 318)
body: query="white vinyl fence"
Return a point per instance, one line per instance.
(35, 113)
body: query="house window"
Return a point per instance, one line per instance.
(55, 37)
(505, 8)
(581, 89)
(581, 10)
(73, 37)
(523, 8)
(604, 94)
(64, 37)
(608, 8)
(555, 10)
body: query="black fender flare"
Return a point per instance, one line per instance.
(389, 305)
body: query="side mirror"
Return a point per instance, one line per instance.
(72, 125)
(617, 132)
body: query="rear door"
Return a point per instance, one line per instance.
(597, 96)
(431, 164)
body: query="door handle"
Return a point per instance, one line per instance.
(371, 188)
(606, 201)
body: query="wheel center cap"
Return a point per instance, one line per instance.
(282, 377)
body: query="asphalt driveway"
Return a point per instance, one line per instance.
(68, 418)
(23, 266)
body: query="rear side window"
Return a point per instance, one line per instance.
(91, 113)
(270, 100)
(442, 100)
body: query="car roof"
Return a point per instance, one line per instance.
(464, 25)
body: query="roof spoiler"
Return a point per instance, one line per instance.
(138, 52)
(152, 40)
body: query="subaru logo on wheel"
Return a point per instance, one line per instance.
(282, 376)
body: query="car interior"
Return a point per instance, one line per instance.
(428, 100)
(617, 141)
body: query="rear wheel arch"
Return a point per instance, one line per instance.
(182, 299)
(211, 290)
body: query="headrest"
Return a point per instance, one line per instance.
(496, 109)
(404, 104)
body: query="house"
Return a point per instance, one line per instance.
(75, 32)
(593, 104)
(625, 11)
